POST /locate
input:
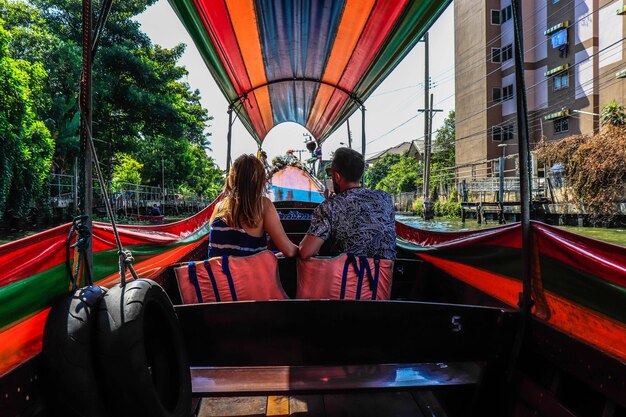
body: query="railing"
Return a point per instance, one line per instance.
(125, 198)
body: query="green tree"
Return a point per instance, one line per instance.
(443, 157)
(443, 148)
(379, 170)
(26, 146)
(403, 176)
(207, 178)
(142, 107)
(126, 170)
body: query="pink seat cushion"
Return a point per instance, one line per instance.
(254, 277)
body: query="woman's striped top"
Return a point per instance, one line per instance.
(226, 240)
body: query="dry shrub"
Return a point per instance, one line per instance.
(595, 167)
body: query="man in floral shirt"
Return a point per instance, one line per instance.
(354, 220)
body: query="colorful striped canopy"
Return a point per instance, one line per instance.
(312, 62)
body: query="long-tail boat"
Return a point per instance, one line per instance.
(518, 320)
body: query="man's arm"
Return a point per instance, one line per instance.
(318, 233)
(310, 246)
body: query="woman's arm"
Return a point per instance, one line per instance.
(272, 225)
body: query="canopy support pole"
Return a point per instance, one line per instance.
(229, 138)
(363, 140)
(525, 301)
(86, 179)
(524, 158)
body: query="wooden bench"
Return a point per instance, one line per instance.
(276, 380)
(320, 346)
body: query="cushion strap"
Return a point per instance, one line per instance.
(373, 281)
(193, 278)
(209, 271)
(360, 272)
(351, 259)
(229, 277)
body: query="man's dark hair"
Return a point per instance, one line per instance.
(349, 163)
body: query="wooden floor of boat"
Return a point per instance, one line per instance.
(381, 404)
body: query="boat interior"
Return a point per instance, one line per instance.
(440, 347)
(305, 356)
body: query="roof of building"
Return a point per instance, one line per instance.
(412, 147)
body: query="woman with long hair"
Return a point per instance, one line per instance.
(241, 220)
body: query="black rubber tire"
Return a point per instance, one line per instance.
(68, 365)
(141, 353)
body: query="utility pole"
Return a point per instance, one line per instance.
(349, 134)
(428, 213)
(428, 118)
(429, 113)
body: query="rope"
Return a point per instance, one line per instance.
(82, 244)
(125, 256)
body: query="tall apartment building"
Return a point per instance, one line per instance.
(574, 65)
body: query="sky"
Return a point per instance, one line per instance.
(392, 115)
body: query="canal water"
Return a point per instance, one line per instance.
(616, 236)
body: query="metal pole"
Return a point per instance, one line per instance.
(229, 137)
(501, 178)
(524, 158)
(525, 301)
(86, 184)
(137, 193)
(363, 140)
(501, 175)
(162, 186)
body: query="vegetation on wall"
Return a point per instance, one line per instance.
(593, 164)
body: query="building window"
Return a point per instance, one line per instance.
(507, 92)
(506, 14)
(506, 53)
(561, 125)
(560, 81)
(559, 38)
(496, 94)
(559, 41)
(502, 133)
(495, 55)
(495, 17)
(496, 133)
